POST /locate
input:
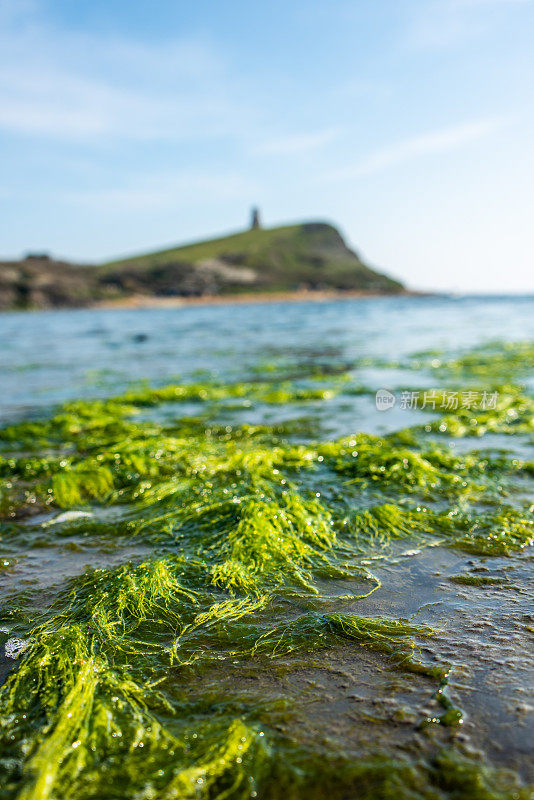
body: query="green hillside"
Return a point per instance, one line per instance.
(310, 255)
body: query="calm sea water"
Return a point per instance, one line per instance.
(48, 357)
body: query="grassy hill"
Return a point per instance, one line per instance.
(307, 256)
(310, 256)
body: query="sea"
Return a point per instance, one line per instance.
(49, 357)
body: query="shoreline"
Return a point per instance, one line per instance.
(247, 298)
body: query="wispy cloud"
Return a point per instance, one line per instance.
(50, 102)
(11, 10)
(72, 86)
(163, 191)
(296, 143)
(446, 23)
(432, 143)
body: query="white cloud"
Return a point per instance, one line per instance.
(12, 10)
(163, 191)
(53, 103)
(447, 23)
(426, 144)
(75, 86)
(296, 143)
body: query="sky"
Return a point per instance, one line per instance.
(127, 126)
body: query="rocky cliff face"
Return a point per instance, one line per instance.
(308, 256)
(46, 283)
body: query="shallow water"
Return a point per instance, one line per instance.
(52, 356)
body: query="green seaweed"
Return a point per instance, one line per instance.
(513, 413)
(492, 360)
(499, 532)
(385, 462)
(248, 534)
(496, 359)
(475, 580)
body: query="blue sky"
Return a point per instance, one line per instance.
(129, 125)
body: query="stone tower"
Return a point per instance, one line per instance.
(255, 223)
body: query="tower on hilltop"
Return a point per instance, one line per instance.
(255, 223)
